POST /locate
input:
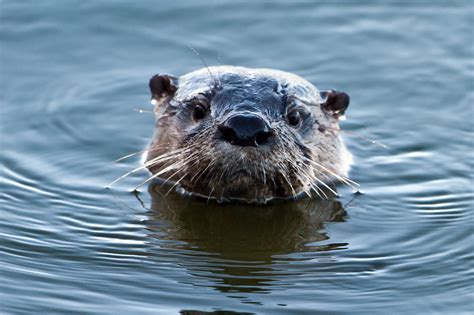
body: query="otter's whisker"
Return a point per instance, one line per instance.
(307, 187)
(183, 163)
(199, 174)
(343, 179)
(157, 147)
(315, 178)
(257, 174)
(133, 154)
(175, 184)
(164, 158)
(285, 177)
(159, 159)
(141, 111)
(300, 174)
(311, 178)
(353, 134)
(162, 171)
(130, 155)
(325, 185)
(315, 187)
(309, 184)
(211, 171)
(205, 65)
(224, 171)
(209, 196)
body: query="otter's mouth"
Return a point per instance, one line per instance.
(239, 193)
(244, 174)
(226, 199)
(251, 181)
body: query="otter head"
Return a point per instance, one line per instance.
(246, 134)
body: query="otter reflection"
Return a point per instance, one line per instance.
(236, 246)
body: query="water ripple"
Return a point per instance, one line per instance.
(73, 75)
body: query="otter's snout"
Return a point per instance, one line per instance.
(246, 130)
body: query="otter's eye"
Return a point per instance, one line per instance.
(294, 118)
(199, 112)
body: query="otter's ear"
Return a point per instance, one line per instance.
(334, 102)
(163, 86)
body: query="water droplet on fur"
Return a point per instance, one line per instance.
(153, 102)
(181, 191)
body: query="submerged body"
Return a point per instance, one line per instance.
(234, 133)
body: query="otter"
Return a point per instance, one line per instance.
(253, 135)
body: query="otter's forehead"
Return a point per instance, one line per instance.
(251, 80)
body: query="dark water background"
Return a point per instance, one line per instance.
(72, 73)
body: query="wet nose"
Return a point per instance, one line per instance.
(246, 130)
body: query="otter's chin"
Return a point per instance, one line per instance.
(235, 193)
(241, 185)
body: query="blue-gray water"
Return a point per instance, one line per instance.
(72, 73)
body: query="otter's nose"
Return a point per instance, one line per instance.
(246, 130)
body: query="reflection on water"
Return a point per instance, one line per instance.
(235, 245)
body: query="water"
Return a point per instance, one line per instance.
(72, 74)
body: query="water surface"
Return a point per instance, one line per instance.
(72, 74)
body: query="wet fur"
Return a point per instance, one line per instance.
(191, 154)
